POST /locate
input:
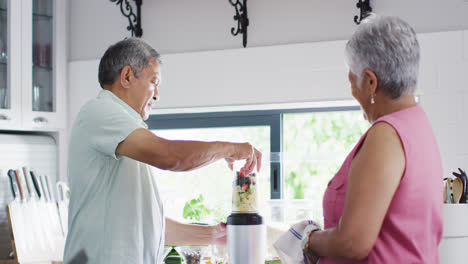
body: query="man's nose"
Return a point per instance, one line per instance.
(155, 98)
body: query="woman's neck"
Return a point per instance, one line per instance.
(387, 106)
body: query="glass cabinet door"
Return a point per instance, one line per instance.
(43, 91)
(4, 88)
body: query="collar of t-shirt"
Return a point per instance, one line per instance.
(106, 94)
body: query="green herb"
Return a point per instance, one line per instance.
(195, 210)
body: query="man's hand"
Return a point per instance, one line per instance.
(219, 235)
(180, 234)
(253, 157)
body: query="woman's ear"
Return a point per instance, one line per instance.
(126, 76)
(370, 81)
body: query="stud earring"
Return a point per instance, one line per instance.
(372, 99)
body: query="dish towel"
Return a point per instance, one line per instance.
(289, 246)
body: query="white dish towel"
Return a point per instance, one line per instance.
(289, 246)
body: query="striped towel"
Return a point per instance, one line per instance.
(289, 246)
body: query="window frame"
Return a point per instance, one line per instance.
(271, 118)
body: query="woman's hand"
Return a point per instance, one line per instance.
(309, 256)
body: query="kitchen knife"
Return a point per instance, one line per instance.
(14, 184)
(49, 190)
(44, 189)
(11, 184)
(35, 183)
(22, 185)
(29, 184)
(18, 182)
(41, 188)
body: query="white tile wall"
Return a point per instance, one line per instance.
(444, 85)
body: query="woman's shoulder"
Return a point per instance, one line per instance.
(382, 130)
(383, 140)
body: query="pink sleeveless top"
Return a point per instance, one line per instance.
(412, 228)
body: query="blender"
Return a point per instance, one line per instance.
(246, 231)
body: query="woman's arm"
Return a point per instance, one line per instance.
(374, 176)
(180, 234)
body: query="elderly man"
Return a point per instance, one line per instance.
(116, 214)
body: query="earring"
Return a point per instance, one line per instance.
(372, 99)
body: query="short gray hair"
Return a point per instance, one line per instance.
(131, 51)
(388, 47)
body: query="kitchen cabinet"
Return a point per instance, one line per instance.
(32, 65)
(10, 47)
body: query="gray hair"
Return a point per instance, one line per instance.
(131, 51)
(388, 47)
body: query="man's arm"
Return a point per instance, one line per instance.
(180, 155)
(179, 234)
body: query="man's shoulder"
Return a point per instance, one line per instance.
(98, 108)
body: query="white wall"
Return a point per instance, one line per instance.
(175, 26)
(304, 73)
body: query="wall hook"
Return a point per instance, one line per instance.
(366, 9)
(134, 20)
(242, 20)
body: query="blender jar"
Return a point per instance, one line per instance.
(246, 231)
(244, 193)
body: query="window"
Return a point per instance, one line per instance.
(213, 182)
(315, 146)
(302, 149)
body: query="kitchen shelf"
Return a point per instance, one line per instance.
(38, 16)
(10, 261)
(42, 68)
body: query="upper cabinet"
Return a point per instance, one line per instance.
(33, 67)
(10, 65)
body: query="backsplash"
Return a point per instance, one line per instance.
(38, 153)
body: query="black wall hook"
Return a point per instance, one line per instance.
(366, 9)
(242, 20)
(134, 20)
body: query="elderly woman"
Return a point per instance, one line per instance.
(385, 203)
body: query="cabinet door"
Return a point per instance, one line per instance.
(10, 64)
(40, 96)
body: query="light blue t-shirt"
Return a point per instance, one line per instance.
(115, 213)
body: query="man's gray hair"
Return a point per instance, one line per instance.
(131, 51)
(388, 47)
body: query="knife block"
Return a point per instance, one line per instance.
(36, 233)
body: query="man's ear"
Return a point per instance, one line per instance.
(126, 76)
(370, 81)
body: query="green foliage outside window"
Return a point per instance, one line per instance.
(315, 145)
(195, 209)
